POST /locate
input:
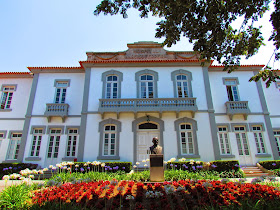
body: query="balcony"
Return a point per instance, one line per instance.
(148, 105)
(56, 110)
(237, 107)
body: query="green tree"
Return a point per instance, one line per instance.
(208, 25)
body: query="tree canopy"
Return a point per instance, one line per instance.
(208, 25)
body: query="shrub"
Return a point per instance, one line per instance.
(224, 165)
(109, 166)
(9, 168)
(270, 164)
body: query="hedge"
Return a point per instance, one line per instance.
(9, 168)
(109, 166)
(270, 164)
(185, 165)
(224, 165)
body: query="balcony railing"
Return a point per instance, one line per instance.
(56, 110)
(147, 105)
(237, 107)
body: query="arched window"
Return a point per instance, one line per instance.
(182, 86)
(182, 83)
(146, 86)
(186, 139)
(146, 83)
(109, 139)
(112, 84)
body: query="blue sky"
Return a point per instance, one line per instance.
(60, 32)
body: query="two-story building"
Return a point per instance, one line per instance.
(112, 106)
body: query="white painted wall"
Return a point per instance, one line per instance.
(46, 92)
(128, 85)
(247, 90)
(20, 97)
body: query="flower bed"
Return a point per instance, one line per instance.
(168, 195)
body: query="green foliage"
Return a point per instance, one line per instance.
(175, 175)
(208, 24)
(9, 168)
(109, 166)
(15, 197)
(270, 164)
(224, 165)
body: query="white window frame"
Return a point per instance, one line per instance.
(186, 134)
(36, 142)
(110, 86)
(277, 139)
(60, 91)
(224, 140)
(72, 142)
(241, 135)
(184, 85)
(107, 135)
(146, 84)
(7, 96)
(14, 145)
(232, 89)
(54, 138)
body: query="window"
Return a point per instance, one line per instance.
(182, 83)
(111, 84)
(258, 135)
(277, 139)
(231, 86)
(72, 142)
(109, 147)
(60, 93)
(224, 140)
(146, 86)
(7, 95)
(186, 129)
(109, 139)
(54, 141)
(14, 146)
(186, 137)
(146, 83)
(112, 87)
(36, 142)
(242, 142)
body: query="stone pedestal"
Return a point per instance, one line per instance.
(156, 168)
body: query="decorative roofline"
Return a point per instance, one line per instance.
(16, 75)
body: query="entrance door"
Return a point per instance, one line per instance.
(144, 141)
(245, 158)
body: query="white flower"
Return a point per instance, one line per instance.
(68, 169)
(85, 164)
(182, 159)
(172, 160)
(70, 163)
(45, 169)
(134, 166)
(31, 176)
(145, 165)
(147, 160)
(50, 166)
(198, 162)
(143, 161)
(103, 165)
(137, 163)
(6, 177)
(34, 171)
(165, 162)
(58, 165)
(53, 168)
(40, 171)
(77, 166)
(63, 163)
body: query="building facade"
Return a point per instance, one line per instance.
(112, 106)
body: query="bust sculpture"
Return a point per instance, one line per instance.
(155, 149)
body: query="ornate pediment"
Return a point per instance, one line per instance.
(142, 51)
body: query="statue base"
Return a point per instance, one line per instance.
(156, 168)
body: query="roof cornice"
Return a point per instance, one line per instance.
(16, 75)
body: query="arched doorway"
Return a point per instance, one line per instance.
(153, 127)
(145, 133)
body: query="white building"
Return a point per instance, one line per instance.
(112, 106)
